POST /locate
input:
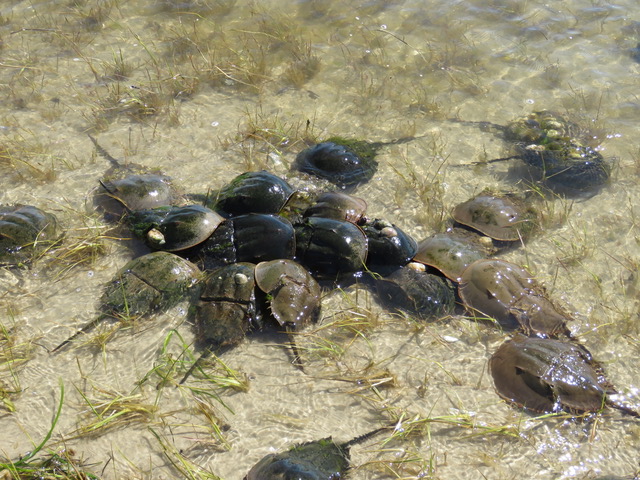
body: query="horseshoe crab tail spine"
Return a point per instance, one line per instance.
(205, 354)
(484, 126)
(102, 152)
(623, 408)
(297, 360)
(366, 436)
(85, 329)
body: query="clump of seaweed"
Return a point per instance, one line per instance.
(24, 158)
(109, 410)
(180, 462)
(63, 466)
(83, 245)
(264, 138)
(176, 357)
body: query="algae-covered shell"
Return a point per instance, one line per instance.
(151, 283)
(24, 231)
(227, 307)
(567, 165)
(254, 192)
(155, 281)
(343, 162)
(559, 152)
(293, 294)
(317, 460)
(501, 216)
(175, 228)
(546, 375)
(453, 251)
(419, 293)
(540, 127)
(509, 294)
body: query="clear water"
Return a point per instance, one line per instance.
(206, 90)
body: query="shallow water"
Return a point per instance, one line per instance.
(206, 90)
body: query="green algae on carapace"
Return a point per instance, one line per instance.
(147, 284)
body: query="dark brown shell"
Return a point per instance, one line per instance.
(174, 228)
(343, 162)
(24, 231)
(136, 192)
(227, 307)
(330, 248)
(546, 375)
(421, 294)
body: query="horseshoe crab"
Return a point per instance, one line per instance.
(230, 306)
(338, 206)
(553, 146)
(506, 292)
(389, 248)
(557, 151)
(136, 192)
(569, 166)
(501, 216)
(451, 252)
(293, 296)
(147, 284)
(545, 375)
(330, 248)
(24, 231)
(343, 162)
(254, 192)
(419, 293)
(132, 187)
(317, 460)
(254, 237)
(226, 311)
(174, 228)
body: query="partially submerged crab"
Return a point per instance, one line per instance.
(145, 285)
(558, 152)
(546, 375)
(25, 230)
(501, 216)
(509, 294)
(317, 460)
(235, 298)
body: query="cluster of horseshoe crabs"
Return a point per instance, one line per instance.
(556, 151)
(258, 249)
